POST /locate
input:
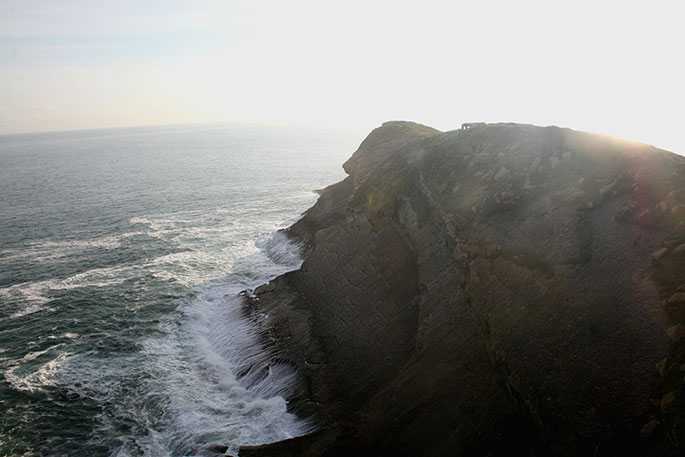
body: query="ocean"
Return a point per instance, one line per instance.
(122, 254)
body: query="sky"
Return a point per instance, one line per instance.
(614, 67)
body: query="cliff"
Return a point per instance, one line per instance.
(503, 290)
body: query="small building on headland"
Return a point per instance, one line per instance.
(469, 125)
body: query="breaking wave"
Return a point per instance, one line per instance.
(121, 262)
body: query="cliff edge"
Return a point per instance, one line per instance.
(502, 290)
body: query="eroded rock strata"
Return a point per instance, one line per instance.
(503, 290)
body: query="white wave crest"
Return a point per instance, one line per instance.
(45, 375)
(42, 250)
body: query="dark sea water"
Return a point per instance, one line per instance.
(121, 255)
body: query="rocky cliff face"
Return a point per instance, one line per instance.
(504, 290)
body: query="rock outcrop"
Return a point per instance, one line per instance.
(502, 290)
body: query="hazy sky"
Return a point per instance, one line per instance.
(608, 66)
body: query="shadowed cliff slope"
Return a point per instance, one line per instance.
(504, 290)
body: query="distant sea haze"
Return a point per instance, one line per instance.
(122, 253)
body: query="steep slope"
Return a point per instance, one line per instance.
(493, 291)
